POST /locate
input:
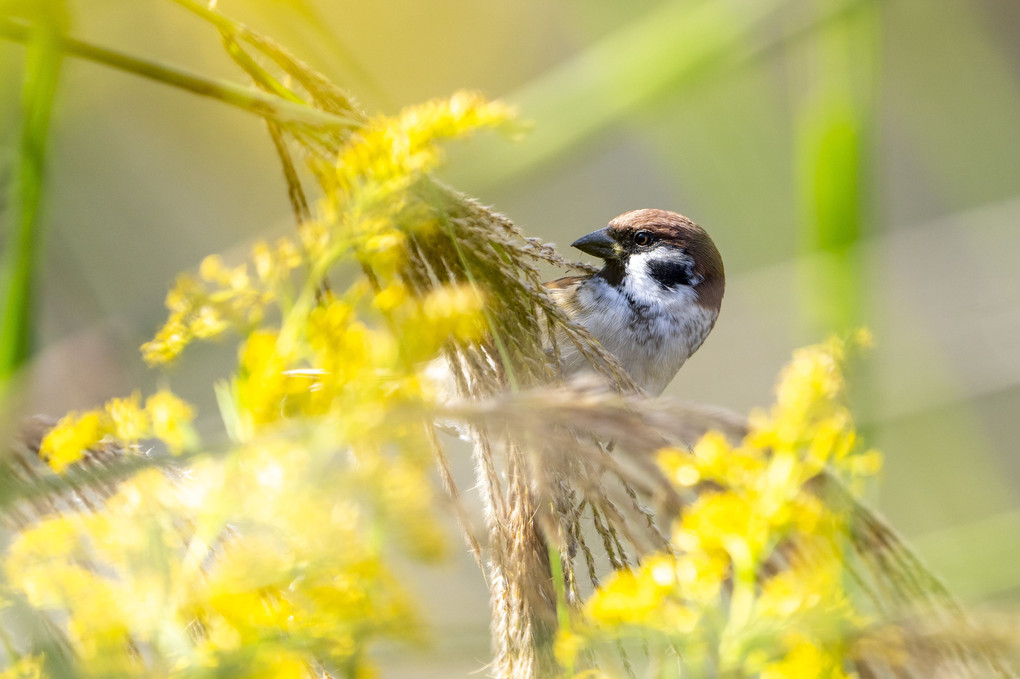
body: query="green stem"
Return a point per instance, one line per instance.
(562, 611)
(42, 71)
(246, 98)
(211, 16)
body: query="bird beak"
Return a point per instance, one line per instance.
(598, 244)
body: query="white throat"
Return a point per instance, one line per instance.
(652, 329)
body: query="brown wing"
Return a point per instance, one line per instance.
(564, 283)
(564, 292)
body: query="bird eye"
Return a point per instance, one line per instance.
(643, 238)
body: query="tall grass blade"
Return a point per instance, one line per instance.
(21, 247)
(833, 159)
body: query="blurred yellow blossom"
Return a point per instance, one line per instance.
(454, 311)
(171, 420)
(204, 307)
(278, 545)
(25, 667)
(806, 659)
(130, 421)
(392, 152)
(756, 532)
(165, 417)
(74, 434)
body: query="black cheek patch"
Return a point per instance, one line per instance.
(670, 273)
(613, 272)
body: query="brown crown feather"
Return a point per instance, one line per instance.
(685, 233)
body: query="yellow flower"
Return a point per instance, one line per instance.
(700, 577)
(567, 646)
(75, 433)
(267, 558)
(392, 297)
(280, 663)
(725, 522)
(801, 589)
(868, 463)
(679, 467)
(208, 322)
(130, 421)
(25, 667)
(274, 265)
(213, 270)
(807, 659)
(389, 152)
(455, 311)
(168, 342)
(253, 610)
(650, 597)
(383, 250)
(626, 598)
(171, 420)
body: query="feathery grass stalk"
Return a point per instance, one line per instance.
(497, 338)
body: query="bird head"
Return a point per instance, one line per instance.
(658, 249)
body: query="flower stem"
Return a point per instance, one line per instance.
(247, 98)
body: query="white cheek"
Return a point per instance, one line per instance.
(644, 289)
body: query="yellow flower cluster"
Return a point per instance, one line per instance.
(262, 563)
(341, 365)
(754, 585)
(164, 417)
(392, 153)
(221, 298)
(366, 215)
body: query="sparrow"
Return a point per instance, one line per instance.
(654, 301)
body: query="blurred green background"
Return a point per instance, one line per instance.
(855, 162)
